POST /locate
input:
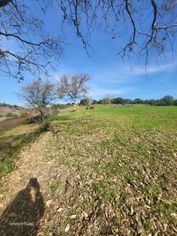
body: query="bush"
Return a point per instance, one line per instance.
(44, 127)
(89, 107)
(85, 102)
(167, 100)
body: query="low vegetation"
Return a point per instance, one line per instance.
(114, 171)
(122, 165)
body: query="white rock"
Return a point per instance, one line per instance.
(73, 216)
(67, 228)
(60, 209)
(48, 203)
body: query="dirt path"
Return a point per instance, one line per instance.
(30, 164)
(34, 169)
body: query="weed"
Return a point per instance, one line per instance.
(54, 186)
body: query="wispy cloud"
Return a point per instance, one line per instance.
(137, 70)
(126, 74)
(101, 92)
(116, 74)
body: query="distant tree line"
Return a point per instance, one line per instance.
(9, 105)
(165, 101)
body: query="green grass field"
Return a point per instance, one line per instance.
(126, 160)
(122, 164)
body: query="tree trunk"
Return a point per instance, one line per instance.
(74, 105)
(41, 114)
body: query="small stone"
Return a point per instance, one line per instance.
(67, 228)
(85, 214)
(174, 215)
(73, 216)
(175, 154)
(40, 234)
(60, 209)
(49, 203)
(131, 211)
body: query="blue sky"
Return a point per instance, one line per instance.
(110, 75)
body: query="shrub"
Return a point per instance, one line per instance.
(85, 102)
(89, 107)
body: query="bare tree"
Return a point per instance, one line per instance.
(146, 26)
(39, 94)
(74, 87)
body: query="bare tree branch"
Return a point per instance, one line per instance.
(132, 20)
(146, 27)
(48, 43)
(4, 2)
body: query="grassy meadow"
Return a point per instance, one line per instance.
(122, 162)
(126, 162)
